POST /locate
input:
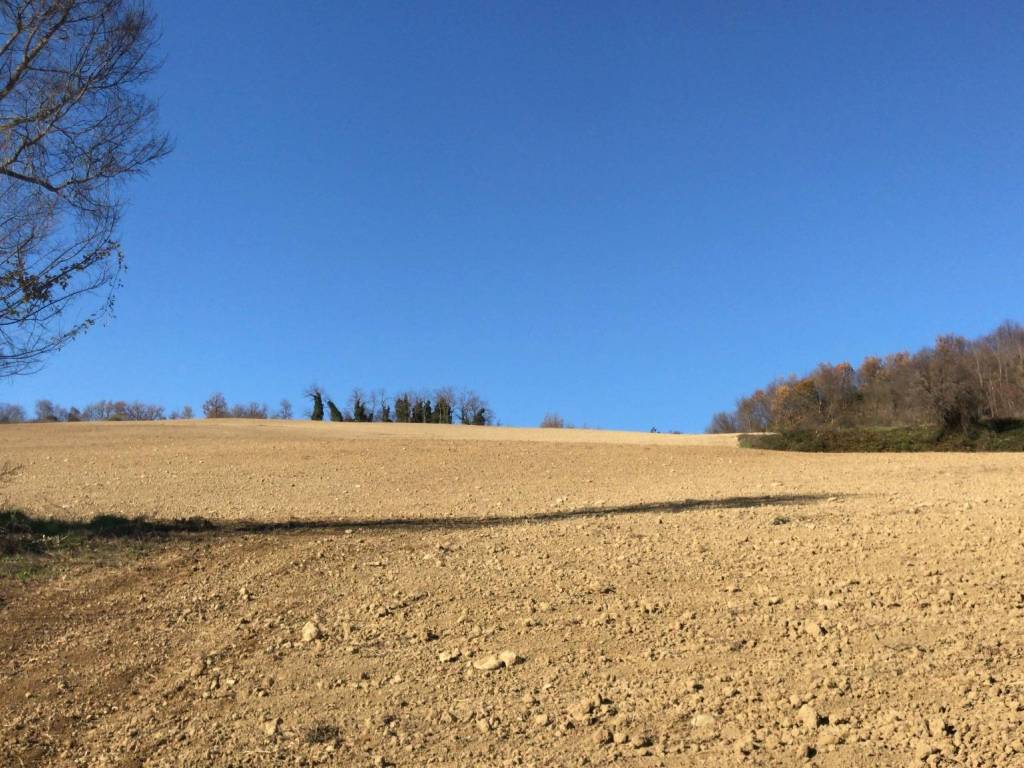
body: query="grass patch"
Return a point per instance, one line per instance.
(1002, 435)
(31, 545)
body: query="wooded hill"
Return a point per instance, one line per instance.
(956, 385)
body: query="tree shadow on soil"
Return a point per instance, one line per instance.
(21, 532)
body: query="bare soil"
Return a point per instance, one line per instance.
(369, 595)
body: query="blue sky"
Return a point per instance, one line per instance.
(629, 213)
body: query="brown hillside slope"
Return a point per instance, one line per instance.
(667, 600)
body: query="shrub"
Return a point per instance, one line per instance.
(998, 435)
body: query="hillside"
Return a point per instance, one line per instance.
(317, 594)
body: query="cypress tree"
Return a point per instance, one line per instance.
(443, 411)
(402, 409)
(335, 413)
(359, 412)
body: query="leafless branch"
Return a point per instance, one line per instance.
(73, 127)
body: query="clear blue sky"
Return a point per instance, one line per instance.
(630, 213)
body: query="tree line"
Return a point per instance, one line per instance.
(957, 384)
(445, 405)
(216, 407)
(135, 410)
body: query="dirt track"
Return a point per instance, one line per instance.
(667, 600)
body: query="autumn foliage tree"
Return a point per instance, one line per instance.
(956, 385)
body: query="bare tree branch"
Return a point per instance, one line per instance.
(73, 128)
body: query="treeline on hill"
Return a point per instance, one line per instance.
(445, 405)
(102, 410)
(216, 407)
(441, 406)
(959, 394)
(123, 410)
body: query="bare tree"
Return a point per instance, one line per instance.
(98, 411)
(139, 411)
(120, 410)
(252, 410)
(11, 413)
(73, 128)
(753, 413)
(473, 409)
(444, 404)
(284, 410)
(722, 423)
(47, 410)
(216, 407)
(953, 393)
(186, 412)
(552, 421)
(380, 405)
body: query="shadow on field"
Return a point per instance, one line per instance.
(24, 533)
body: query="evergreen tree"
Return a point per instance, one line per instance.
(443, 410)
(402, 409)
(335, 413)
(359, 411)
(318, 406)
(385, 412)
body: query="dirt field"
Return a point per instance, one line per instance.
(369, 595)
